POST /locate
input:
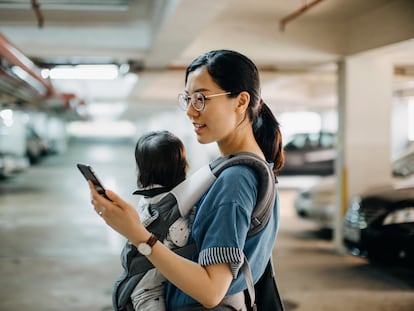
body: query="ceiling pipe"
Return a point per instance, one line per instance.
(15, 57)
(39, 16)
(297, 13)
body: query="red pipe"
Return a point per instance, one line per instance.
(296, 14)
(19, 59)
(39, 16)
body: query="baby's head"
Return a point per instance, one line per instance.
(160, 158)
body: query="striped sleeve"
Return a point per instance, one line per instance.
(232, 256)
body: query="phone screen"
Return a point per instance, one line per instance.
(89, 174)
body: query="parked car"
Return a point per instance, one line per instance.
(310, 154)
(317, 203)
(12, 142)
(403, 163)
(379, 224)
(35, 145)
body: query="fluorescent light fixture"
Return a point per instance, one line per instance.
(83, 72)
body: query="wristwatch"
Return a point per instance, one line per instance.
(145, 248)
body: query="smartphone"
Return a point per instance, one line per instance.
(89, 174)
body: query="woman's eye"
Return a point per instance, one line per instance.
(199, 98)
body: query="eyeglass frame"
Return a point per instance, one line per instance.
(188, 99)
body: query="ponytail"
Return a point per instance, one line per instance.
(268, 135)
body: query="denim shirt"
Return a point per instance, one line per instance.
(220, 228)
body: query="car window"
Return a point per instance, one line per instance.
(327, 140)
(296, 142)
(312, 140)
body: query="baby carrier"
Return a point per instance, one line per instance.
(177, 203)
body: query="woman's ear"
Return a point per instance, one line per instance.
(243, 100)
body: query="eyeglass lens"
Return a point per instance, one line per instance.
(196, 100)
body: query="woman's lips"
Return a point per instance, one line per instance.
(198, 127)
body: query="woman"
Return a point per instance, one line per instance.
(222, 100)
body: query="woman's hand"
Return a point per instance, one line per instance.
(119, 215)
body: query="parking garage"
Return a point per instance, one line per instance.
(57, 254)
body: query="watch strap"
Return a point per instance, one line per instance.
(152, 240)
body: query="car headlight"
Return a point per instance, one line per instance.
(355, 215)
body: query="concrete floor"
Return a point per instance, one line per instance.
(56, 254)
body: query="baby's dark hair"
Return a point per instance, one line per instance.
(235, 73)
(160, 158)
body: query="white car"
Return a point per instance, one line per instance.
(403, 163)
(12, 142)
(317, 203)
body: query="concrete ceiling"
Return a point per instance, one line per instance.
(160, 37)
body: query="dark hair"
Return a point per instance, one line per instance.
(160, 159)
(235, 73)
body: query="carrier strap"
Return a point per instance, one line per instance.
(247, 272)
(267, 183)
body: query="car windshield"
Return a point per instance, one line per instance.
(302, 141)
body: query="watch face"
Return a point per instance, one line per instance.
(144, 249)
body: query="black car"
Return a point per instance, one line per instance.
(380, 225)
(310, 154)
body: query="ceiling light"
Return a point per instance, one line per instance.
(84, 72)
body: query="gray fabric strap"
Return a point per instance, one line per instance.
(235, 301)
(245, 268)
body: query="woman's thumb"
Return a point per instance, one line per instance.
(113, 196)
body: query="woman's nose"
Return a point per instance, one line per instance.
(191, 112)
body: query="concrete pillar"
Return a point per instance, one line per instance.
(368, 99)
(364, 120)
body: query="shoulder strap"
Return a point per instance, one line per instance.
(264, 295)
(245, 268)
(267, 181)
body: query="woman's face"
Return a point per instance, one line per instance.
(217, 122)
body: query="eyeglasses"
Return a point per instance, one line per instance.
(197, 100)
